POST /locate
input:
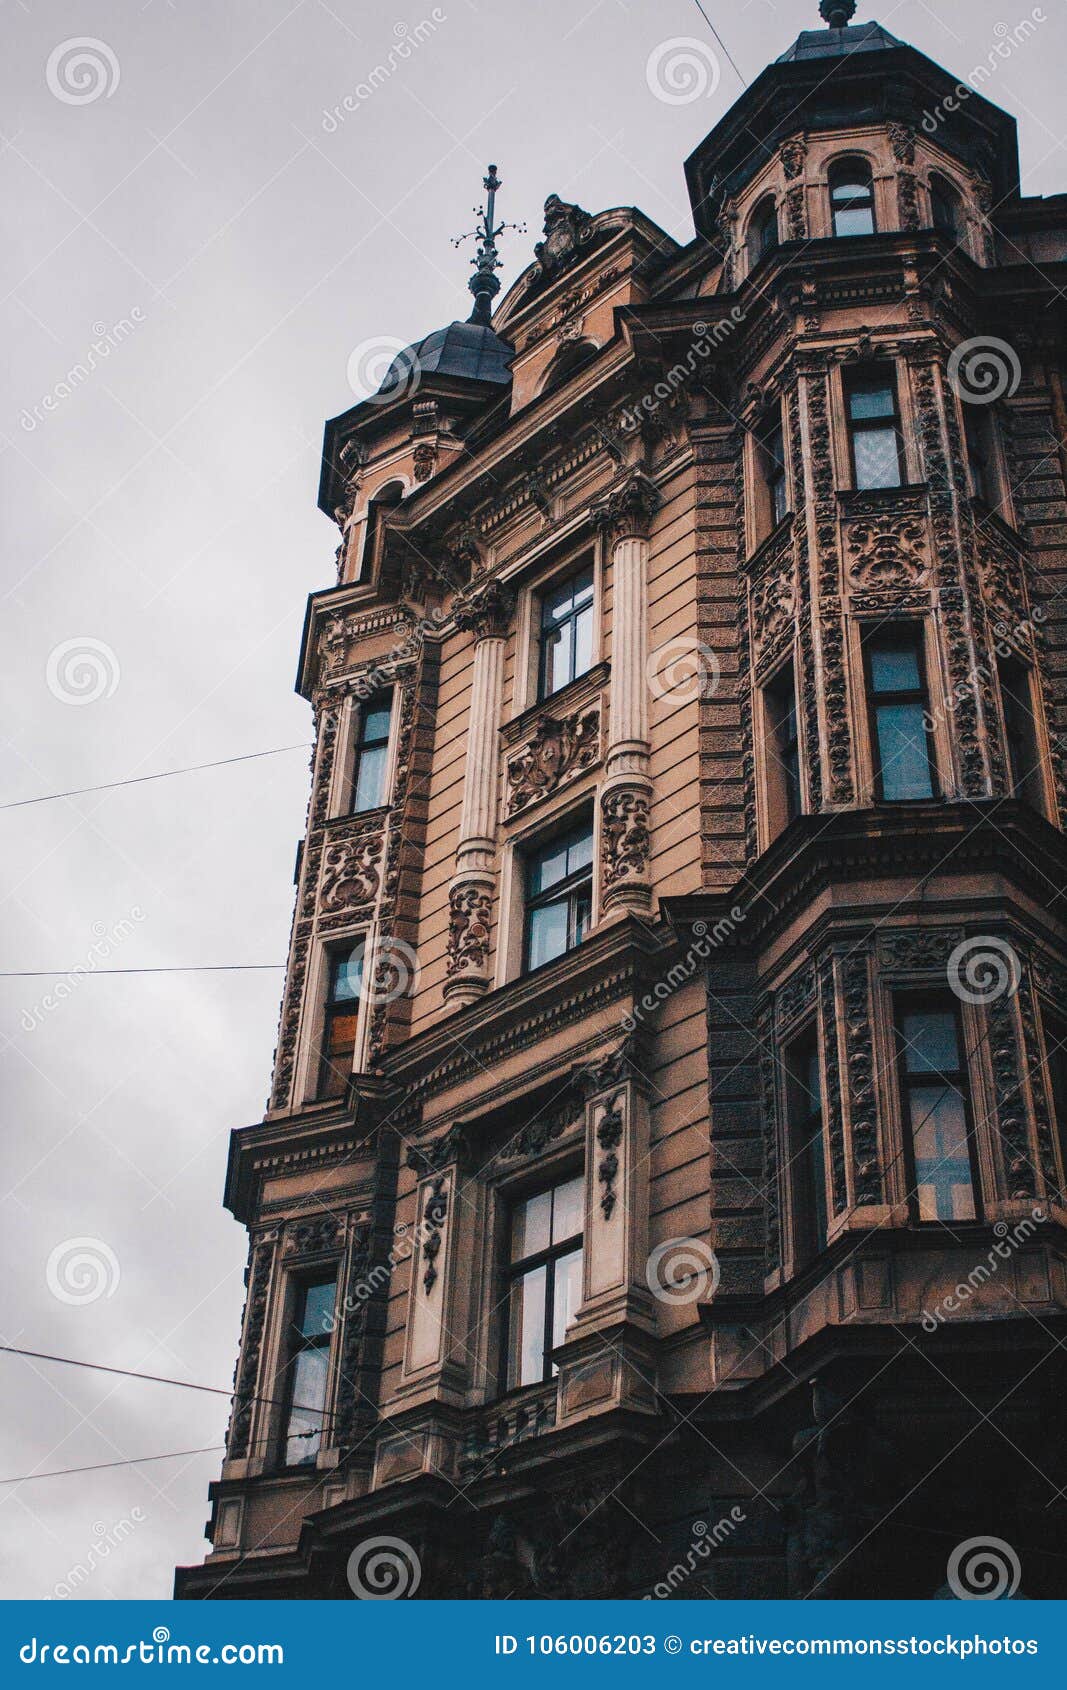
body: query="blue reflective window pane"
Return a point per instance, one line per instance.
(376, 722)
(867, 403)
(347, 975)
(309, 1398)
(579, 851)
(858, 220)
(903, 752)
(317, 1314)
(548, 867)
(895, 666)
(548, 933)
(943, 1181)
(931, 1044)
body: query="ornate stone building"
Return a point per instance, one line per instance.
(662, 1184)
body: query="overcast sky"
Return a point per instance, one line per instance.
(178, 194)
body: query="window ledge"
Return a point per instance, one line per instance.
(770, 544)
(857, 500)
(561, 703)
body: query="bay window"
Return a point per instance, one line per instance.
(899, 714)
(936, 1110)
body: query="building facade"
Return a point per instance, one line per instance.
(662, 1187)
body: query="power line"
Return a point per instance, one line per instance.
(163, 774)
(721, 42)
(177, 968)
(102, 1466)
(155, 1379)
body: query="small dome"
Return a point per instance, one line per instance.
(470, 351)
(839, 43)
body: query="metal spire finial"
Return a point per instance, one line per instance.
(485, 284)
(837, 13)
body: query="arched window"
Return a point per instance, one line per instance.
(852, 197)
(762, 231)
(947, 207)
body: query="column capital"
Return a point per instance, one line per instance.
(485, 609)
(625, 513)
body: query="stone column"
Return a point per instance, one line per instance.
(486, 611)
(625, 516)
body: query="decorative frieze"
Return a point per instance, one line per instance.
(257, 1279)
(470, 914)
(886, 545)
(858, 1022)
(559, 749)
(351, 870)
(315, 1235)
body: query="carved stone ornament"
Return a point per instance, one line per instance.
(606, 1071)
(424, 459)
(569, 231)
(456, 1145)
(351, 872)
(548, 1124)
(794, 153)
(609, 1137)
(627, 511)
(485, 610)
(434, 1216)
(774, 606)
(315, 1235)
(470, 914)
(559, 748)
(887, 550)
(625, 836)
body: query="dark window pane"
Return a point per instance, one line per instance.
(867, 404)
(566, 632)
(903, 752)
(579, 850)
(931, 1044)
(877, 454)
(309, 1398)
(347, 974)
(582, 903)
(375, 723)
(548, 866)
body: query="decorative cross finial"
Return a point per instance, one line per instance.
(484, 284)
(837, 13)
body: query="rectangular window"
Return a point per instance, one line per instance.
(783, 749)
(874, 430)
(371, 752)
(544, 1278)
(340, 1019)
(1056, 1083)
(770, 447)
(1016, 695)
(807, 1157)
(900, 719)
(559, 895)
(306, 1371)
(565, 647)
(935, 1103)
(978, 432)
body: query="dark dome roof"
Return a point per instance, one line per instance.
(471, 351)
(839, 43)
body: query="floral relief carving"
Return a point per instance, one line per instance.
(609, 1137)
(794, 154)
(809, 698)
(485, 610)
(558, 749)
(772, 1223)
(257, 1279)
(859, 1059)
(832, 1075)
(351, 872)
(470, 914)
(312, 1236)
(887, 550)
(834, 686)
(1012, 1127)
(625, 836)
